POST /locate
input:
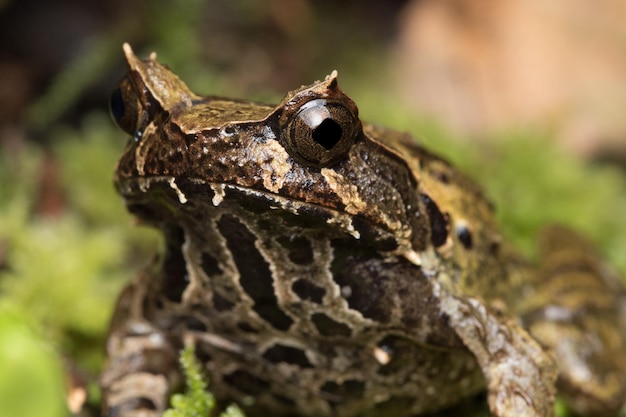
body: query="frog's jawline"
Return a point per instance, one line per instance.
(137, 186)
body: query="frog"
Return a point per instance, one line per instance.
(320, 265)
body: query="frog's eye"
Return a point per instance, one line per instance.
(321, 132)
(124, 107)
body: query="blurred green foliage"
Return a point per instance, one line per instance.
(63, 273)
(31, 376)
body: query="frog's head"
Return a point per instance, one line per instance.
(308, 155)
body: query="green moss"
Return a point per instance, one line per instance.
(196, 401)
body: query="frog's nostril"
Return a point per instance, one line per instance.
(465, 235)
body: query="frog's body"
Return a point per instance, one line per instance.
(325, 267)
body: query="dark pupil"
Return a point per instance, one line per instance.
(117, 105)
(327, 134)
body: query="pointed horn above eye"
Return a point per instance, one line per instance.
(331, 79)
(163, 85)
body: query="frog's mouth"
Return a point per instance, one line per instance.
(195, 197)
(162, 200)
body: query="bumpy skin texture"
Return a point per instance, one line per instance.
(326, 267)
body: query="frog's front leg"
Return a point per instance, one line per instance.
(142, 367)
(520, 376)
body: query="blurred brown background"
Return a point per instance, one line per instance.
(486, 65)
(475, 66)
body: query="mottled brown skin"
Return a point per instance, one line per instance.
(326, 267)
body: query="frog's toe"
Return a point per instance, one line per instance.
(136, 395)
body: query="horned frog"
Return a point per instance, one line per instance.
(323, 266)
